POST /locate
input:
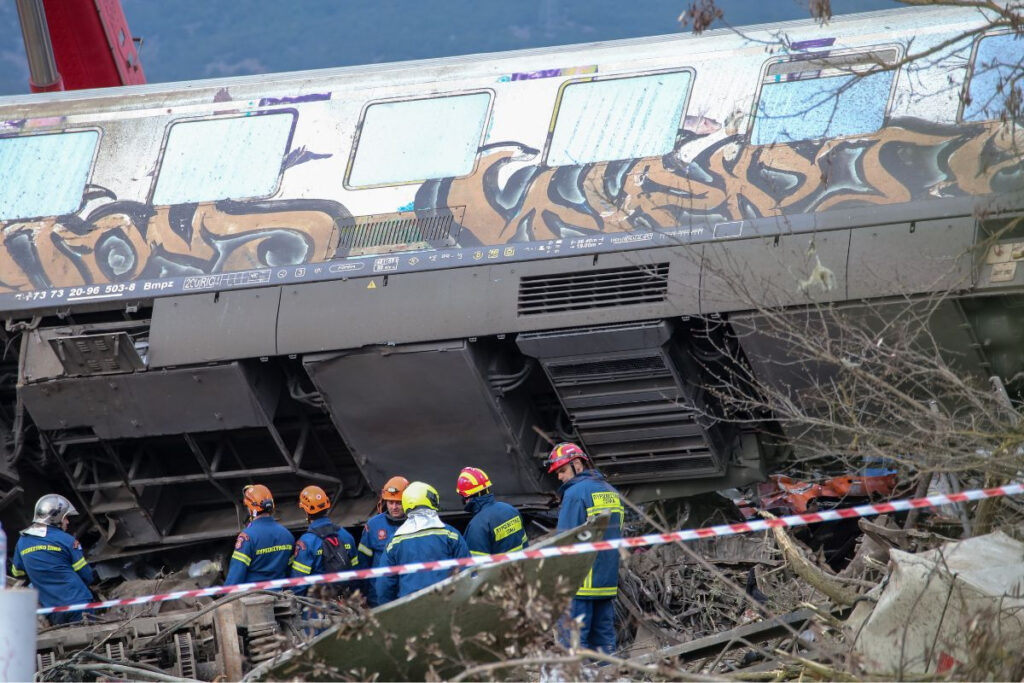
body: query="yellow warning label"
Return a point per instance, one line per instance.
(372, 285)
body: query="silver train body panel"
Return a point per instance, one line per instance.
(339, 275)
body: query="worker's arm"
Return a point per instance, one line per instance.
(241, 558)
(572, 513)
(79, 564)
(17, 566)
(365, 551)
(462, 548)
(388, 586)
(478, 539)
(303, 559)
(345, 538)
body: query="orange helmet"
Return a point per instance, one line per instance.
(258, 498)
(563, 454)
(313, 499)
(472, 481)
(393, 489)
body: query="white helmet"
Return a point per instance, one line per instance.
(52, 509)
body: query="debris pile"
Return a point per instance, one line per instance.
(678, 593)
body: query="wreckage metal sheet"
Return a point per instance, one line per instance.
(442, 618)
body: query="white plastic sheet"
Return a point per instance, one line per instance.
(932, 600)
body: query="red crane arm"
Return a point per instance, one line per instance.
(91, 44)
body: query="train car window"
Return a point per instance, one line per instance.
(413, 140)
(44, 175)
(235, 158)
(997, 64)
(618, 118)
(816, 97)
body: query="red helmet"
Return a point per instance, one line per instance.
(563, 454)
(313, 499)
(472, 481)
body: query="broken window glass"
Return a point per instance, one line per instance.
(817, 97)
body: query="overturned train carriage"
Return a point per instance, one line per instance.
(335, 276)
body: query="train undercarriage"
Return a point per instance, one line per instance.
(152, 417)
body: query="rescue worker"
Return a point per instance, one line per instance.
(308, 557)
(496, 527)
(585, 494)
(264, 548)
(52, 559)
(378, 532)
(423, 537)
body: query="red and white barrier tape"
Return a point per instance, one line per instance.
(575, 549)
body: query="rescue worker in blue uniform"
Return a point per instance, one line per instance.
(423, 537)
(53, 560)
(586, 494)
(264, 548)
(308, 557)
(496, 527)
(378, 532)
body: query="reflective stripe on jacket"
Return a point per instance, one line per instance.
(584, 496)
(496, 527)
(55, 566)
(420, 546)
(309, 549)
(377, 533)
(262, 552)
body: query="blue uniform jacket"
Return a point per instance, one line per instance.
(584, 496)
(496, 527)
(309, 549)
(262, 552)
(377, 533)
(420, 546)
(55, 566)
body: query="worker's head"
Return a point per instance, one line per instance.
(472, 482)
(258, 500)
(391, 496)
(53, 509)
(566, 461)
(420, 495)
(314, 502)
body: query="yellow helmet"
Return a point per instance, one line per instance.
(419, 494)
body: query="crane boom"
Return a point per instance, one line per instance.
(78, 44)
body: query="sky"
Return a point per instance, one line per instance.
(195, 39)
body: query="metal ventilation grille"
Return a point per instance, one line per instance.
(631, 413)
(97, 354)
(600, 368)
(593, 289)
(384, 233)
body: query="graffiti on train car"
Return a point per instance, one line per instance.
(510, 199)
(122, 241)
(713, 175)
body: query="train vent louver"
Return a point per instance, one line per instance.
(384, 233)
(629, 391)
(582, 291)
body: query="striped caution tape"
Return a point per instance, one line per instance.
(575, 549)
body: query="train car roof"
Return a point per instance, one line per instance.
(438, 70)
